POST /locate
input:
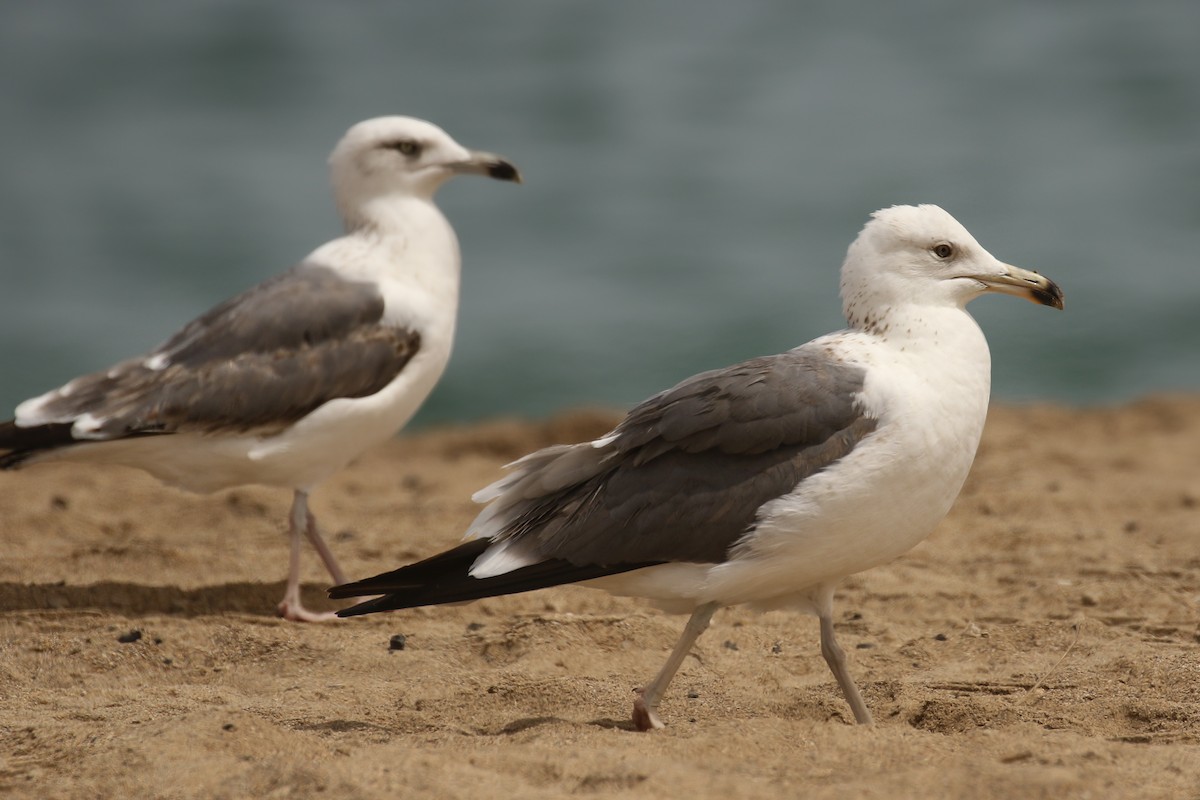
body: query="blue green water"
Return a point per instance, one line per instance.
(695, 171)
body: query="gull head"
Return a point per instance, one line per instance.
(398, 157)
(920, 255)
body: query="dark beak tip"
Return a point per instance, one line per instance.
(504, 171)
(1051, 296)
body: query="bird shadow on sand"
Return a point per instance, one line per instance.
(134, 599)
(528, 723)
(608, 723)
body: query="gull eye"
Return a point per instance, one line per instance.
(406, 147)
(943, 250)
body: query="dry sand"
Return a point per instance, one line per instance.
(1042, 643)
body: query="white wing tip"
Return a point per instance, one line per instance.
(157, 362)
(501, 558)
(487, 494)
(31, 413)
(86, 425)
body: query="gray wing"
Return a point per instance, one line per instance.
(258, 361)
(683, 476)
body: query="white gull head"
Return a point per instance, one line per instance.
(910, 256)
(388, 159)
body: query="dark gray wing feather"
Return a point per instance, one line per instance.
(258, 361)
(307, 304)
(686, 472)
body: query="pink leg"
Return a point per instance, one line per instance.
(300, 522)
(835, 657)
(314, 536)
(645, 707)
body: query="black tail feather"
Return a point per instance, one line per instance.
(18, 444)
(443, 578)
(450, 564)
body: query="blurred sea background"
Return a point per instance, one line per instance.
(694, 173)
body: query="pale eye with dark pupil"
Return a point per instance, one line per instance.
(405, 147)
(943, 250)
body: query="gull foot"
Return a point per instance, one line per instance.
(298, 613)
(644, 717)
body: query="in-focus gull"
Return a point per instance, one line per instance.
(766, 482)
(285, 383)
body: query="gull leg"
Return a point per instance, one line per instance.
(291, 608)
(314, 536)
(645, 707)
(836, 659)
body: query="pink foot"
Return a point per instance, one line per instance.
(294, 612)
(645, 718)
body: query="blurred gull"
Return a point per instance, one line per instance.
(285, 383)
(766, 482)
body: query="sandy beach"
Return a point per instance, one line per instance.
(1043, 642)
